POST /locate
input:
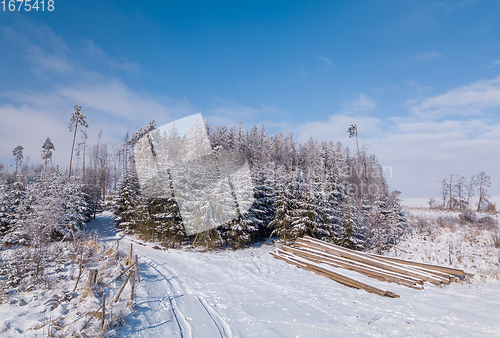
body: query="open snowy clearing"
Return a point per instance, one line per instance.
(248, 293)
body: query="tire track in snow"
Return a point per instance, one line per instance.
(182, 302)
(223, 329)
(184, 327)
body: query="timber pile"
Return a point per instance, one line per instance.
(312, 254)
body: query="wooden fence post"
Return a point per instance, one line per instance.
(123, 286)
(137, 269)
(103, 311)
(132, 288)
(92, 278)
(449, 253)
(117, 249)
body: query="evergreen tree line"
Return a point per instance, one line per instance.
(51, 207)
(38, 203)
(300, 188)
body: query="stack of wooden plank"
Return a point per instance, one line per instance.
(312, 254)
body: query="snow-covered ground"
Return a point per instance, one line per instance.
(52, 302)
(424, 201)
(248, 293)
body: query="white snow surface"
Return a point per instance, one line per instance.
(248, 293)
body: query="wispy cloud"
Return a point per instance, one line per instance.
(475, 98)
(454, 5)
(327, 61)
(495, 63)
(361, 104)
(31, 115)
(226, 112)
(427, 55)
(98, 54)
(452, 132)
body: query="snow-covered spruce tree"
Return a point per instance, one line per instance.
(331, 215)
(283, 205)
(399, 223)
(75, 206)
(240, 230)
(380, 223)
(6, 207)
(305, 218)
(21, 205)
(262, 211)
(127, 199)
(353, 229)
(159, 220)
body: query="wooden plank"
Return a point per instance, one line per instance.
(443, 277)
(341, 262)
(365, 270)
(371, 267)
(372, 261)
(335, 276)
(443, 269)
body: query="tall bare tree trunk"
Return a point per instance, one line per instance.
(72, 149)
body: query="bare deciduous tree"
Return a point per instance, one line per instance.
(483, 183)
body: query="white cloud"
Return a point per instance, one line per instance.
(110, 106)
(476, 98)
(29, 116)
(361, 104)
(449, 133)
(428, 55)
(495, 63)
(228, 113)
(327, 61)
(335, 129)
(98, 54)
(418, 153)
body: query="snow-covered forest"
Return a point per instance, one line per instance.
(315, 188)
(319, 189)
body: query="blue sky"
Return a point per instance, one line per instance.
(420, 78)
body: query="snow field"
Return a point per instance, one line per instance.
(46, 305)
(248, 293)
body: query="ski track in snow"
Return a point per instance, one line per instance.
(247, 293)
(165, 306)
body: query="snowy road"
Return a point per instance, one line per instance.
(247, 293)
(165, 308)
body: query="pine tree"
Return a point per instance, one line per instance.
(281, 224)
(127, 199)
(77, 118)
(47, 148)
(18, 156)
(304, 219)
(6, 207)
(262, 211)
